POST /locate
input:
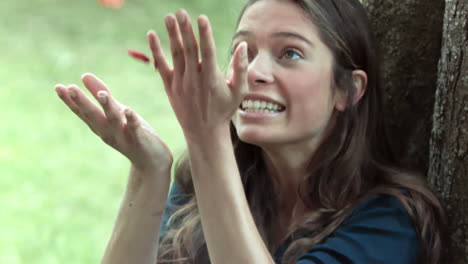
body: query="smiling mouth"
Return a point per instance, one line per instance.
(258, 106)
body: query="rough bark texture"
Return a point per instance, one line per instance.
(409, 34)
(411, 43)
(448, 169)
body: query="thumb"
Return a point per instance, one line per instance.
(238, 81)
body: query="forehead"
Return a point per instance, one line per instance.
(274, 15)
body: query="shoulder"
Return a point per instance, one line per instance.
(379, 230)
(380, 209)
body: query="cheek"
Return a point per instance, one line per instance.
(312, 101)
(314, 88)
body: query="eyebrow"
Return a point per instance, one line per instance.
(281, 34)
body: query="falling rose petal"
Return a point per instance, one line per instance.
(138, 55)
(115, 4)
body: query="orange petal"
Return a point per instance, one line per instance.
(112, 3)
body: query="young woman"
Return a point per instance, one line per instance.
(287, 158)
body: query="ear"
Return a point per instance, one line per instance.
(359, 84)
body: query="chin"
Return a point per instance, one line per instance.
(256, 137)
(250, 140)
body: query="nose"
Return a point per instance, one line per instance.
(260, 70)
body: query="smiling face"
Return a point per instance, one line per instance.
(289, 75)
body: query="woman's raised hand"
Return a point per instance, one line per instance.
(117, 125)
(202, 99)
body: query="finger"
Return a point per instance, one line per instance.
(238, 81)
(69, 96)
(190, 42)
(160, 62)
(64, 94)
(207, 45)
(177, 48)
(133, 124)
(88, 111)
(112, 109)
(93, 84)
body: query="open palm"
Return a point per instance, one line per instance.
(117, 125)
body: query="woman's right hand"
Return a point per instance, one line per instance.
(117, 125)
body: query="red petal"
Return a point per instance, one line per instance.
(138, 55)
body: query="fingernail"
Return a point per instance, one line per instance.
(59, 93)
(169, 22)
(202, 22)
(180, 17)
(102, 97)
(127, 112)
(72, 93)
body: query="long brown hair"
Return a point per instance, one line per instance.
(352, 163)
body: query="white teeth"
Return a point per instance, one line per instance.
(260, 110)
(269, 107)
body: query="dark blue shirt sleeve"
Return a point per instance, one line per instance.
(379, 231)
(175, 198)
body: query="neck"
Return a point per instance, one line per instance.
(287, 165)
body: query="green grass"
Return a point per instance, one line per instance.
(60, 184)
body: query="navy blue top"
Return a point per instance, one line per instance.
(379, 231)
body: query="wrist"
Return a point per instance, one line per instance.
(152, 163)
(210, 136)
(151, 170)
(152, 181)
(211, 151)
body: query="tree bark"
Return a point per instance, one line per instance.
(413, 36)
(409, 35)
(448, 170)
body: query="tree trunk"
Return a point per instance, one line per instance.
(421, 99)
(448, 170)
(409, 34)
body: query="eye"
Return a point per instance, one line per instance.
(291, 54)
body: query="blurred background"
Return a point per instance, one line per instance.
(60, 185)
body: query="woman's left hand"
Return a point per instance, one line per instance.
(202, 99)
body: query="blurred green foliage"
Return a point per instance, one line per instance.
(60, 184)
